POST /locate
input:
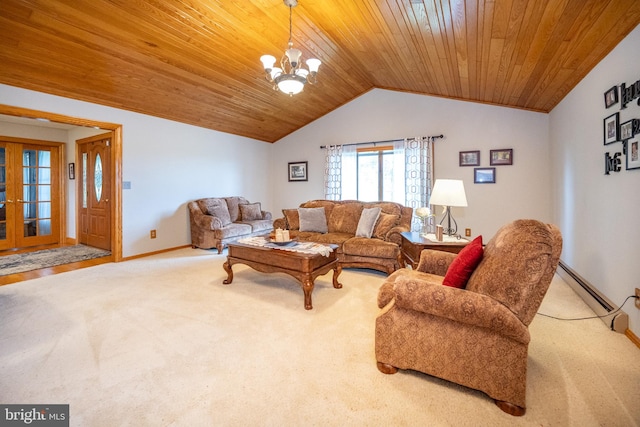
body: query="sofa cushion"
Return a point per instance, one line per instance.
(328, 205)
(313, 219)
(344, 218)
(250, 211)
(385, 223)
(260, 225)
(217, 208)
(232, 230)
(464, 264)
(367, 222)
(386, 207)
(362, 246)
(232, 205)
(292, 218)
(334, 238)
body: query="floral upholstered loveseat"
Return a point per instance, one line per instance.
(377, 248)
(216, 221)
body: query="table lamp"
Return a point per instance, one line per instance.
(448, 193)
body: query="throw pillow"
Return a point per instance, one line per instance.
(385, 223)
(292, 217)
(313, 219)
(250, 211)
(464, 264)
(217, 208)
(368, 219)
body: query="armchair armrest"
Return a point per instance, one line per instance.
(393, 235)
(280, 223)
(207, 222)
(460, 306)
(435, 262)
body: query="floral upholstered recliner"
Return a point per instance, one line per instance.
(478, 336)
(216, 221)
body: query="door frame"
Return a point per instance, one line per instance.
(116, 166)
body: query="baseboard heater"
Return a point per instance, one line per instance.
(616, 320)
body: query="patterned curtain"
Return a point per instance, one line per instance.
(333, 172)
(417, 156)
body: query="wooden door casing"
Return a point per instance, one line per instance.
(94, 191)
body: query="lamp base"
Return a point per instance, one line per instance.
(449, 230)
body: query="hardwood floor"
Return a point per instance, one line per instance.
(27, 275)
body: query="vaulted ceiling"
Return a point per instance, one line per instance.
(197, 61)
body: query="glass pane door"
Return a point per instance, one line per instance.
(36, 196)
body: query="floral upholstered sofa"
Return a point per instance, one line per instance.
(216, 221)
(367, 233)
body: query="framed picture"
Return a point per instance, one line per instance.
(611, 129)
(611, 97)
(470, 158)
(484, 175)
(501, 157)
(72, 171)
(298, 171)
(626, 130)
(633, 154)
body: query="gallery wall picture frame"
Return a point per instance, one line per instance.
(484, 175)
(469, 158)
(626, 130)
(611, 97)
(298, 171)
(503, 156)
(611, 128)
(72, 171)
(633, 154)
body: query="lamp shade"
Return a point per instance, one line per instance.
(448, 192)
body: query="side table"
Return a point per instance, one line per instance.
(413, 244)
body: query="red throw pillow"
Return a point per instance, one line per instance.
(464, 264)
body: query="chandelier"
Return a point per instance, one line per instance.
(290, 77)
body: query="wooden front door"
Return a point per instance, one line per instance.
(94, 191)
(29, 194)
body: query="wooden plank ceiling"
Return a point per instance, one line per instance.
(197, 61)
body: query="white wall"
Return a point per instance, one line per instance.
(168, 164)
(521, 190)
(598, 213)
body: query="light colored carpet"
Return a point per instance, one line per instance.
(160, 341)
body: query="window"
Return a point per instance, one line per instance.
(374, 174)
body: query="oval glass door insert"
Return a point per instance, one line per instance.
(97, 177)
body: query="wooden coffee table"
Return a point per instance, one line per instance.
(303, 267)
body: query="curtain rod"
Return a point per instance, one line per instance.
(380, 142)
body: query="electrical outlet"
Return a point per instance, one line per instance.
(153, 234)
(467, 232)
(637, 297)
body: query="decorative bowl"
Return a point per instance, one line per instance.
(288, 242)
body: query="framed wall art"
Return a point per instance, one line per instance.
(72, 171)
(633, 154)
(611, 125)
(469, 158)
(611, 97)
(298, 171)
(484, 175)
(501, 157)
(626, 130)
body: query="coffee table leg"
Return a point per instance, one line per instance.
(336, 272)
(307, 288)
(227, 268)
